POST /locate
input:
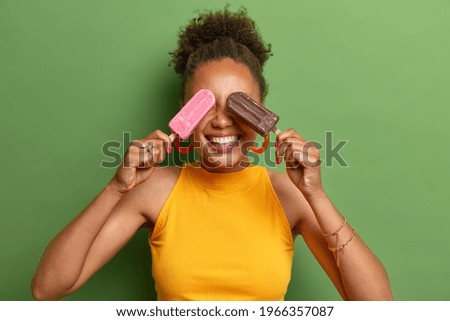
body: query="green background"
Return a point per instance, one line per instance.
(77, 74)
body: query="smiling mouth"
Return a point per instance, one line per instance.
(223, 140)
(223, 144)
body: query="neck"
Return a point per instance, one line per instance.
(224, 168)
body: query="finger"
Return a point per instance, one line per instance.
(136, 155)
(155, 153)
(302, 156)
(158, 152)
(137, 144)
(146, 161)
(278, 157)
(157, 134)
(298, 144)
(131, 159)
(144, 154)
(285, 136)
(281, 149)
(288, 144)
(160, 135)
(289, 133)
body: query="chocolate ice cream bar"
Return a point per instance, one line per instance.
(258, 117)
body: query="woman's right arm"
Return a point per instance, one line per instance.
(102, 228)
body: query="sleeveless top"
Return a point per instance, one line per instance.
(222, 236)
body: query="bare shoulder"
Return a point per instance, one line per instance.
(152, 194)
(295, 205)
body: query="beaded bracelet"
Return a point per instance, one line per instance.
(336, 232)
(339, 248)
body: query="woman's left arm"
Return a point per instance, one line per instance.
(362, 274)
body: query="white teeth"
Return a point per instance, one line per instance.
(224, 140)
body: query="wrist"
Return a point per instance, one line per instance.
(316, 196)
(115, 188)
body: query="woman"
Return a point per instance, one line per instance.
(220, 229)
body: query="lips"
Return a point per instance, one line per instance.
(222, 144)
(223, 140)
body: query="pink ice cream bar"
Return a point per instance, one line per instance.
(188, 118)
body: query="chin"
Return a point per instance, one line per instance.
(224, 162)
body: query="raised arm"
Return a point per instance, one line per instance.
(102, 228)
(363, 275)
(352, 266)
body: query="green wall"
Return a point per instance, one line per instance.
(77, 74)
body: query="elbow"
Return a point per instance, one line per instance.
(383, 297)
(38, 295)
(386, 293)
(381, 294)
(37, 291)
(46, 287)
(382, 290)
(40, 291)
(387, 296)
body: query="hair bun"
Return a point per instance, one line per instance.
(210, 26)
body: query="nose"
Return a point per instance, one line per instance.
(221, 118)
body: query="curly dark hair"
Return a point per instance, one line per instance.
(217, 35)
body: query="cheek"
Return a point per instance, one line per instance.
(202, 126)
(249, 133)
(251, 137)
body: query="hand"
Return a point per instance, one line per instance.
(302, 160)
(140, 160)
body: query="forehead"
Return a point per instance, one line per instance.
(223, 77)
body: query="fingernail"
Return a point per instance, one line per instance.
(277, 160)
(169, 149)
(277, 144)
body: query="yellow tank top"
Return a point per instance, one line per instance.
(222, 237)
